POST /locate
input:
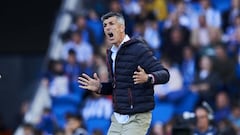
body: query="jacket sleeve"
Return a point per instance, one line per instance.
(151, 65)
(106, 89)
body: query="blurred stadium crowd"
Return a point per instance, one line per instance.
(197, 40)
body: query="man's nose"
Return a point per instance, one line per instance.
(108, 28)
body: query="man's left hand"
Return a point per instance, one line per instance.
(140, 76)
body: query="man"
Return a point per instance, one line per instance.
(133, 72)
(203, 126)
(74, 125)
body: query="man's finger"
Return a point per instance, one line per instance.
(82, 79)
(135, 76)
(140, 68)
(84, 87)
(83, 83)
(136, 80)
(95, 76)
(135, 73)
(86, 76)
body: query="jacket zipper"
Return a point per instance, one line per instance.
(130, 98)
(112, 76)
(114, 79)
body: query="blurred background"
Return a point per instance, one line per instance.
(46, 45)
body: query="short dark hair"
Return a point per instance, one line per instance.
(27, 125)
(112, 14)
(202, 108)
(75, 116)
(72, 52)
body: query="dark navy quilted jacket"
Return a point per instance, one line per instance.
(130, 98)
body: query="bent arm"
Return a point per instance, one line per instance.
(152, 65)
(106, 89)
(161, 76)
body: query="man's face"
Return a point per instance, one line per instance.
(202, 118)
(28, 131)
(73, 124)
(205, 3)
(113, 30)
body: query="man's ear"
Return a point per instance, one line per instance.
(122, 28)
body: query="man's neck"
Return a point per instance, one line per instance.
(120, 42)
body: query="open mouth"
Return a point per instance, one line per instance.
(110, 34)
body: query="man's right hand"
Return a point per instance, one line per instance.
(89, 83)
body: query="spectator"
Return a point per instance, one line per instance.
(206, 82)
(235, 117)
(94, 24)
(174, 84)
(100, 118)
(82, 48)
(200, 36)
(158, 7)
(74, 125)
(225, 127)
(203, 126)
(131, 7)
(28, 129)
(231, 29)
(213, 17)
(233, 46)
(144, 15)
(157, 129)
(175, 46)
(173, 23)
(224, 66)
(205, 38)
(71, 67)
(152, 37)
(47, 123)
(222, 110)
(229, 15)
(186, 17)
(215, 36)
(80, 25)
(58, 84)
(139, 29)
(188, 65)
(64, 99)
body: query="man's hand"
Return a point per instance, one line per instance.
(140, 76)
(89, 83)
